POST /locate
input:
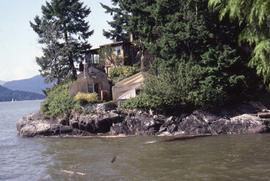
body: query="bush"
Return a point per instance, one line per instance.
(86, 98)
(58, 101)
(213, 81)
(141, 102)
(121, 72)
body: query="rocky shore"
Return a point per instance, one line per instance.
(252, 117)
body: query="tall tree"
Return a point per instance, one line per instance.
(189, 36)
(254, 15)
(63, 33)
(120, 20)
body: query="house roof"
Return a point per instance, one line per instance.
(113, 44)
(130, 81)
(95, 50)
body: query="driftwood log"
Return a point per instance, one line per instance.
(186, 137)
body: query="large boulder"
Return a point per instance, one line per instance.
(242, 124)
(35, 124)
(95, 122)
(138, 123)
(205, 123)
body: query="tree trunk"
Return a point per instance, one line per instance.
(72, 67)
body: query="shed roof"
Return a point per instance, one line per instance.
(130, 81)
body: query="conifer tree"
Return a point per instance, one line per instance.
(254, 15)
(120, 20)
(63, 33)
(189, 36)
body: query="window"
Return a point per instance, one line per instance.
(91, 88)
(138, 91)
(94, 59)
(117, 51)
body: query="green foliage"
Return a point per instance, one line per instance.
(140, 102)
(58, 101)
(120, 19)
(108, 57)
(121, 72)
(86, 98)
(222, 80)
(198, 59)
(254, 16)
(63, 33)
(212, 82)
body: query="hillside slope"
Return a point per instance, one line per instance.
(35, 84)
(9, 95)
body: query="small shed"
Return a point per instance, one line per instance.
(129, 87)
(92, 80)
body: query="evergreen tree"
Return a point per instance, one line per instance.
(254, 15)
(120, 18)
(187, 35)
(171, 29)
(63, 33)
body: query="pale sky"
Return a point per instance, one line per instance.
(18, 42)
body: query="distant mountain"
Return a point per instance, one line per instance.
(9, 95)
(35, 84)
(2, 82)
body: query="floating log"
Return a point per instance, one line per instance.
(264, 115)
(186, 137)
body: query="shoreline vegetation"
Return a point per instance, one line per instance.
(206, 63)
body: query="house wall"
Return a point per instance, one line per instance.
(94, 79)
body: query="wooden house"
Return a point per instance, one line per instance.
(92, 80)
(113, 54)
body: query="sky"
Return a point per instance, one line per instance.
(18, 42)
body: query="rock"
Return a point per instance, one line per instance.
(139, 123)
(165, 133)
(193, 125)
(247, 124)
(35, 124)
(95, 123)
(170, 125)
(196, 123)
(242, 124)
(105, 107)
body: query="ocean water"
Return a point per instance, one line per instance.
(222, 158)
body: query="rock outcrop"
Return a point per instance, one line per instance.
(142, 123)
(35, 124)
(95, 123)
(197, 123)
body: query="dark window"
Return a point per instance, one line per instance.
(138, 91)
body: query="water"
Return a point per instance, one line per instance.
(220, 158)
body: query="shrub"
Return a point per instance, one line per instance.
(86, 97)
(213, 81)
(121, 72)
(58, 101)
(141, 102)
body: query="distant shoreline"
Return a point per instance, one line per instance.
(21, 101)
